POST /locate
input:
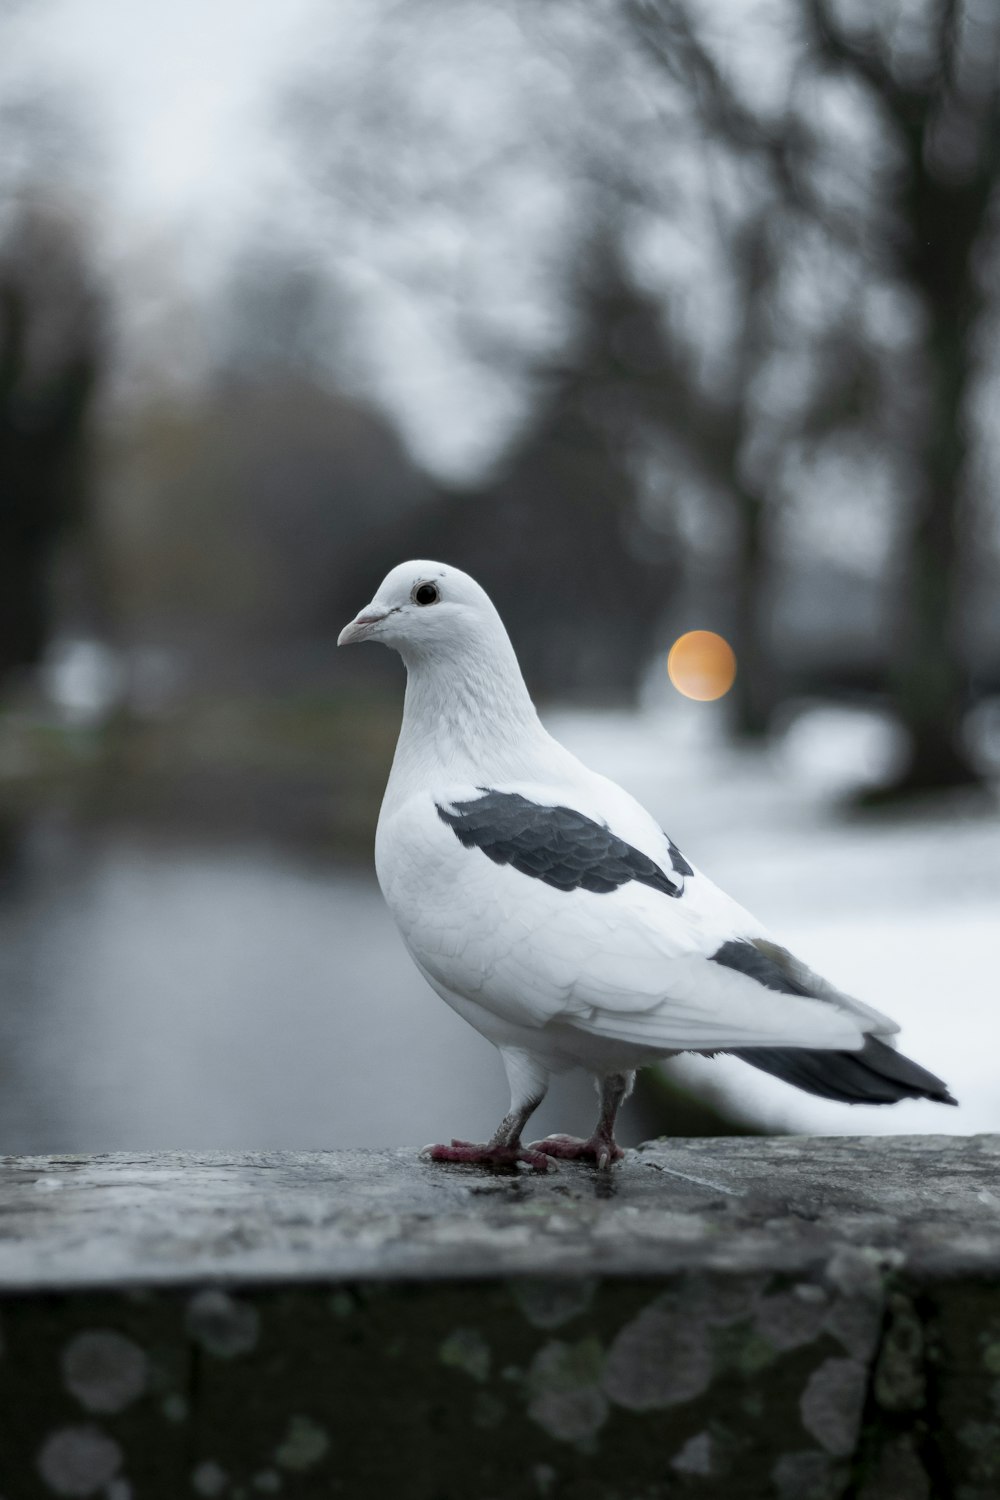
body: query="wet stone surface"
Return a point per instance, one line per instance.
(741, 1318)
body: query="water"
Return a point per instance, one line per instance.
(156, 996)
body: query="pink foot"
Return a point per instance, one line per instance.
(496, 1157)
(603, 1152)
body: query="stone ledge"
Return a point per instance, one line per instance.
(927, 1203)
(777, 1319)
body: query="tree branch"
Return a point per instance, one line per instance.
(854, 57)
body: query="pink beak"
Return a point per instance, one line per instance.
(361, 626)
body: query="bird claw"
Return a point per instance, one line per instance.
(496, 1158)
(599, 1150)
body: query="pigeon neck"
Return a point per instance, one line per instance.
(468, 716)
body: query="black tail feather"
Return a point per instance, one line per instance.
(876, 1074)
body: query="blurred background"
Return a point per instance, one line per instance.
(659, 317)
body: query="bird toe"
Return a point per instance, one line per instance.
(603, 1153)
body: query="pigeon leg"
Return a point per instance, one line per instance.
(528, 1083)
(602, 1148)
(504, 1148)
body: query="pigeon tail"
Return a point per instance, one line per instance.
(877, 1074)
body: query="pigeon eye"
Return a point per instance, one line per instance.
(426, 593)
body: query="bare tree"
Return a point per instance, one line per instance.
(864, 175)
(51, 347)
(934, 78)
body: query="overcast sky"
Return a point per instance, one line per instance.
(181, 105)
(192, 155)
(180, 96)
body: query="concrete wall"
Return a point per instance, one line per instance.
(787, 1318)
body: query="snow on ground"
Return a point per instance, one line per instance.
(905, 914)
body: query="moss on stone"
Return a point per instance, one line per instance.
(900, 1384)
(574, 1391)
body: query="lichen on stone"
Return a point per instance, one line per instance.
(209, 1479)
(832, 1402)
(660, 1358)
(564, 1389)
(104, 1370)
(466, 1350)
(268, 1481)
(222, 1325)
(79, 1461)
(787, 1320)
(305, 1444)
(696, 1455)
(548, 1302)
(900, 1384)
(858, 1271)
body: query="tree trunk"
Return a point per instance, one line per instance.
(753, 690)
(929, 678)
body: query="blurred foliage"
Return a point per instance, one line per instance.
(241, 519)
(665, 1107)
(306, 771)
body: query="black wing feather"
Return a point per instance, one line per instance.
(875, 1074)
(558, 845)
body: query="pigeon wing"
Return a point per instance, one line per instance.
(540, 911)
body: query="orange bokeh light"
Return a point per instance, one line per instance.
(701, 665)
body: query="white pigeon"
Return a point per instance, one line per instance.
(550, 910)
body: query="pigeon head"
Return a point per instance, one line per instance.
(426, 609)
